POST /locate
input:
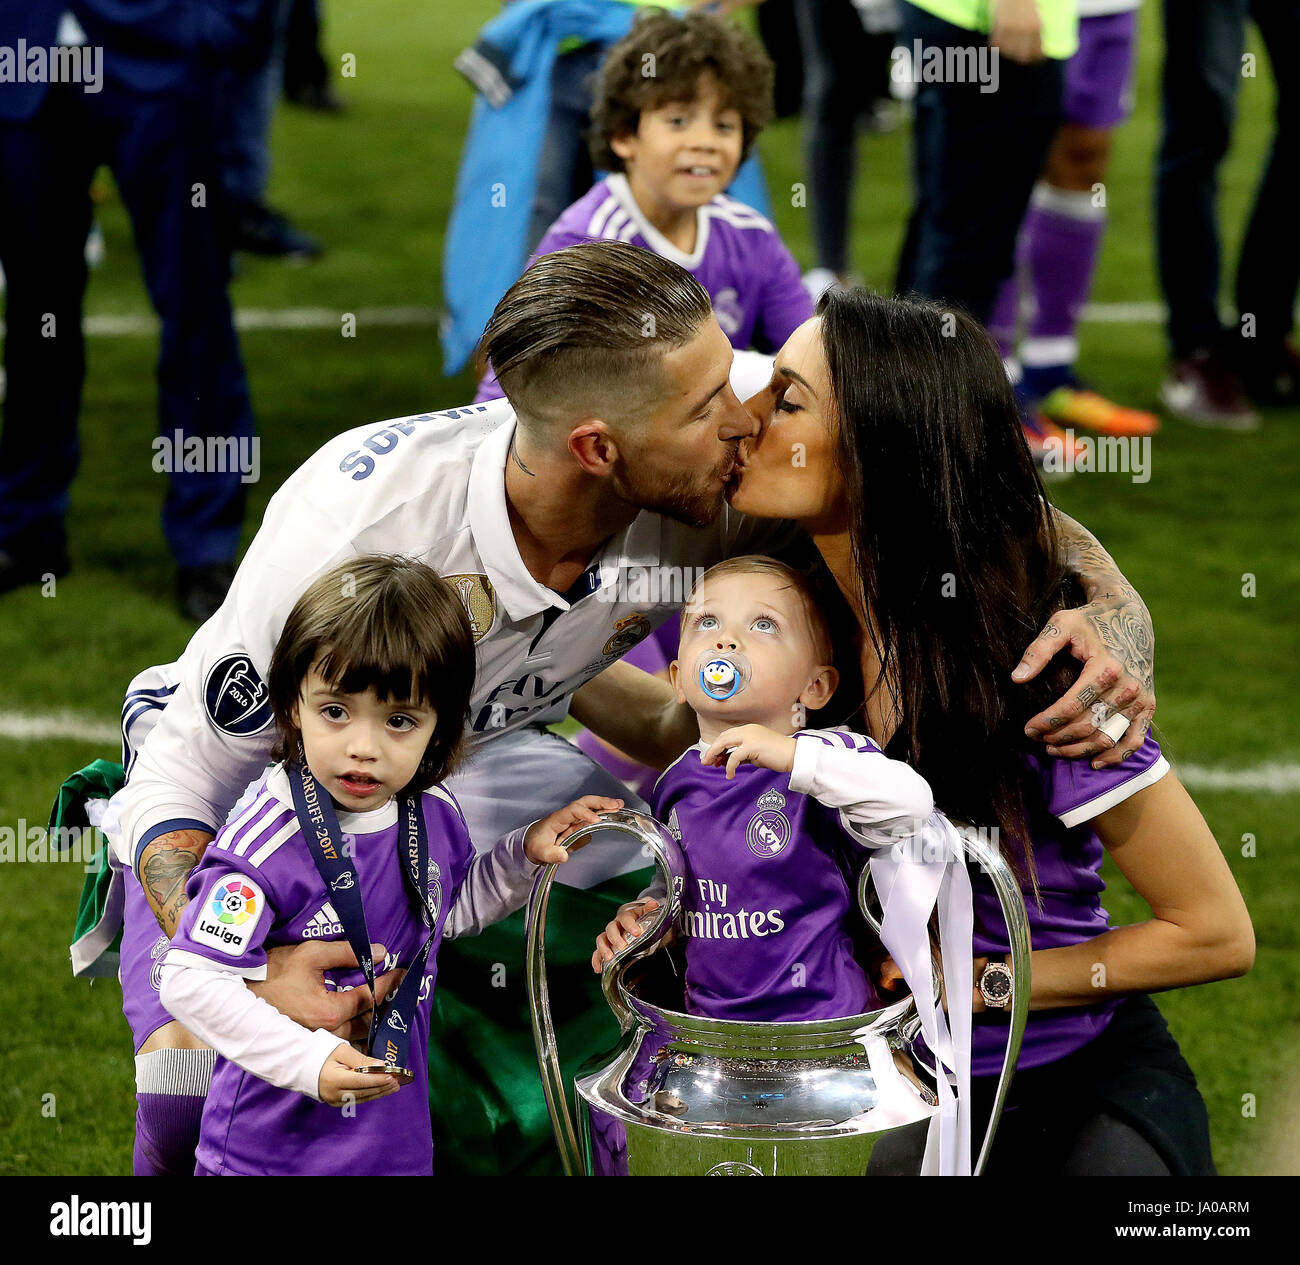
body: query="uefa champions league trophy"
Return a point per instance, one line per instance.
(685, 1096)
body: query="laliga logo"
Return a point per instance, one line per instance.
(233, 903)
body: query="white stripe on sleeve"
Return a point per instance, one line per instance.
(1117, 794)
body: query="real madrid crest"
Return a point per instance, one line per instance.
(627, 632)
(768, 831)
(434, 888)
(480, 601)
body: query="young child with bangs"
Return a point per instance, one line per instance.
(349, 835)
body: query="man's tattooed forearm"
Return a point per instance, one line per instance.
(1088, 561)
(164, 875)
(1115, 608)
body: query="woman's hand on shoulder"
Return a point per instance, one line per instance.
(751, 744)
(1112, 637)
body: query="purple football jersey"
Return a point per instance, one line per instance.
(1061, 799)
(739, 258)
(256, 888)
(769, 911)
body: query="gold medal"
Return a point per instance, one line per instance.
(403, 1074)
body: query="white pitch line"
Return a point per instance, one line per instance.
(1273, 778)
(28, 728)
(143, 323)
(140, 324)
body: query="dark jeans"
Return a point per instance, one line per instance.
(564, 170)
(251, 94)
(975, 159)
(838, 84)
(159, 148)
(304, 65)
(1204, 42)
(1124, 1104)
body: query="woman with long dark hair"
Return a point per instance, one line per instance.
(892, 437)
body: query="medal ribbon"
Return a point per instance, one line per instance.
(390, 1033)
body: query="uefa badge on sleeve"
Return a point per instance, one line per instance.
(237, 699)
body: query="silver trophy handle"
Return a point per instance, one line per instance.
(1017, 920)
(657, 843)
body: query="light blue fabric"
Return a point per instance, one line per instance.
(484, 252)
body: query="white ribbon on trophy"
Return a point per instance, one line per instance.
(913, 878)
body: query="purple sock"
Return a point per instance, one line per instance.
(167, 1122)
(1062, 237)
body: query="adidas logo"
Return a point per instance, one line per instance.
(324, 922)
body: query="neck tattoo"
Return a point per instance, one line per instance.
(514, 453)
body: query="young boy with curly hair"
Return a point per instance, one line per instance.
(678, 107)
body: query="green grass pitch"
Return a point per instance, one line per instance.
(376, 184)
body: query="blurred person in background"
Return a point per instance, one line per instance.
(672, 143)
(306, 73)
(525, 157)
(844, 43)
(251, 92)
(988, 80)
(1060, 239)
(1213, 370)
(149, 115)
(845, 47)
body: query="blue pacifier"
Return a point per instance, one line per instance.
(722, 674)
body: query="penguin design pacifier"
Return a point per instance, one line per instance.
(722, 675)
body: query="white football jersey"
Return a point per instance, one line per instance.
(431, 487)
